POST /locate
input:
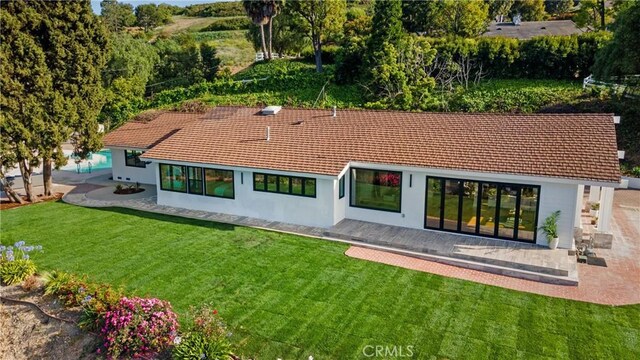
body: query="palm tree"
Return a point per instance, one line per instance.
(256, 12)
(272, 9)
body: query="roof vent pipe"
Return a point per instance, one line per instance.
(335, 109)
(268, 133)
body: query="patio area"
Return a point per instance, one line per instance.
(521, 266)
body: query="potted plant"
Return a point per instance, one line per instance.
(550, 229)
(594, 209)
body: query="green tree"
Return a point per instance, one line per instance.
(117, 16)
(150, 16)
(530, 10)
(287, 34)
(322, 19)
(65, 47)
(558, 7)
(499, 7)
(256, 12)
(466, 18)
(622, 55)
(387, 20)
(129, 68)
(210, 61)
(594, 14)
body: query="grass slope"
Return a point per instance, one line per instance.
(289, 297)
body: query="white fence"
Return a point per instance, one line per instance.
(628, 86)
(260, 56)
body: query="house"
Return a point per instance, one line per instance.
(490, 175)
(529, 29)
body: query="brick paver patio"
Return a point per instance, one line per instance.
(616, 284)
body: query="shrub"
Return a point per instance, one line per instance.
(30, 283)
(138, 327)
(99, 299)
(206, 338)
(234, 23)
(55, 280)
(329, 54)
(15, 265)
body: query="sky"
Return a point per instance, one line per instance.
(95, 4)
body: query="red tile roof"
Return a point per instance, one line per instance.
(574, 146)
(146, 134)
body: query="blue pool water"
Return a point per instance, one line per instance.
(96, 161)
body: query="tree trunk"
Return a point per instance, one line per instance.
(270, 36)
(317, 48)
(264, 46)
(602, 13)
(25, 170)
(47, 177)
(13, 196)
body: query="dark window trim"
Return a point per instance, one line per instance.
(189, 180)
(204, 183)
(351, 193)
(290, 190)
(139, 163)
(341, 186)
(186, 176)
(499, 186)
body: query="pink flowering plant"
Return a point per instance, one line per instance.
(139, 328)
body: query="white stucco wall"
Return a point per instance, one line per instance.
(326, 209)
(553, 196)
(318, 211)
(123, 173)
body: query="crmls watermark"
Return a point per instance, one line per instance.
(387, 351)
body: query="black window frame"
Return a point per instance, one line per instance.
(184, 167)
(189, 180)
(352, 193)
(137, 162)
(204, 184)
(289, 191)
(499, 187)
(341, 186)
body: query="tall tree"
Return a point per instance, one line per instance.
(530, 10)
(594, 13)
(26, 89)
(65, 49)
(256, 12)
(150, 16)
(117, 16)
(622, 55)
(557, 7)
(466, 18)
(499, 7)
(273, 8)
(322, 19)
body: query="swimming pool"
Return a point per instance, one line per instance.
(95, 161)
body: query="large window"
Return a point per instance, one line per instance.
(292, 185)
(195, 180)
(506, 211)
(173, 177)
(376, 189)
(219, 183)
(132, 158)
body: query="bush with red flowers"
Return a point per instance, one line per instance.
(139, 328)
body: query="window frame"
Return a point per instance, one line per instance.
(189, 180)
(352, 193)
(138, 163)
(289, 182)
(499, 186)
(204, 183)
(341, 186)
(186, 177)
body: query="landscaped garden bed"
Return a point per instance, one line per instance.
(286, 296)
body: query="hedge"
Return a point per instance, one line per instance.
(234, 23)
(219, 9)
(543, 57)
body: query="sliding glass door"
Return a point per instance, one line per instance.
(506, 211)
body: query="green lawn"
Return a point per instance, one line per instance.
(290, 297)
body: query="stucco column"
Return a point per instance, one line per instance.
(579, 206)
(594, 194)
(606, 210)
